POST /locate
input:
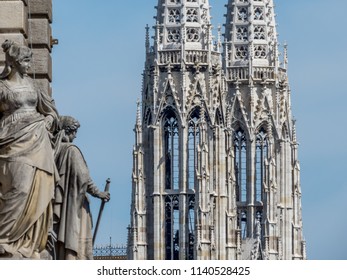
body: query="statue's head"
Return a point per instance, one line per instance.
(17, 57)
(70, 126)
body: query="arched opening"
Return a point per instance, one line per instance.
(172, 227)
(171, 151)
(261, 154)
(193, 141)
(240, 151)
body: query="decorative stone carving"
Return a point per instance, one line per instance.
(27, 116)
(72, 215)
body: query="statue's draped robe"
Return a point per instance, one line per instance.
(27, 171)
(71, 207)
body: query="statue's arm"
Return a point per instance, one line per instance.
(46, 107)
(95, 192)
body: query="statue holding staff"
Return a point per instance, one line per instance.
(73, 221)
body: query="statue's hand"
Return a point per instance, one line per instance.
(104, 196)
(49, 122)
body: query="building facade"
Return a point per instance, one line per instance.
(28, 22)
(216, 173)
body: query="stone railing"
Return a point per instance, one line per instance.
(242, 73)
(260, 73)
(191, 57)
(172, 57)
(237, 73)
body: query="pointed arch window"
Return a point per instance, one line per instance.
(193, 141)
(191, 227)
(171, 149)
(240, 151)
(260, 157)
(242, 223)
(172, 227)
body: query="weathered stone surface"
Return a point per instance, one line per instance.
(41, 64)
(44, 85)
(13, 17)
(40, 32)
(41, 8)
(227, 187)
(27, 160)
(24, 1)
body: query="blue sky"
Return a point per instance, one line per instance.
(97, 69)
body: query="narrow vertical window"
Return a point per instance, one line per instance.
(172, 228)
(193, 140)
(261, 155)
(191, 227)
(243, 224)
(240, 151)
(171, 135)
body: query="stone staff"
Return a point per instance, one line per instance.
(107, 189)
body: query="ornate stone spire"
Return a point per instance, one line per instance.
(184, 22)
(251, 33)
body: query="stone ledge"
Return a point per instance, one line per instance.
(41, 8)
(13, 17)
(40, 33)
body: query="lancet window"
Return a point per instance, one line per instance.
(171, 149)
(240, 151)
(191, 227)
(261, 155)
(172, 228)
(242, 223)
(193, 141)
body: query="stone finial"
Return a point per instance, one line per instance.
(138, 113)
(219, 38)
(294, 130)
(147, 40)
(285, 56)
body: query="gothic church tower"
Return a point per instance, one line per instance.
(215, 174)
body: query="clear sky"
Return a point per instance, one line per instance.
(97, 69)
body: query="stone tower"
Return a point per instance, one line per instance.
(216, 173)
(267, 170)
